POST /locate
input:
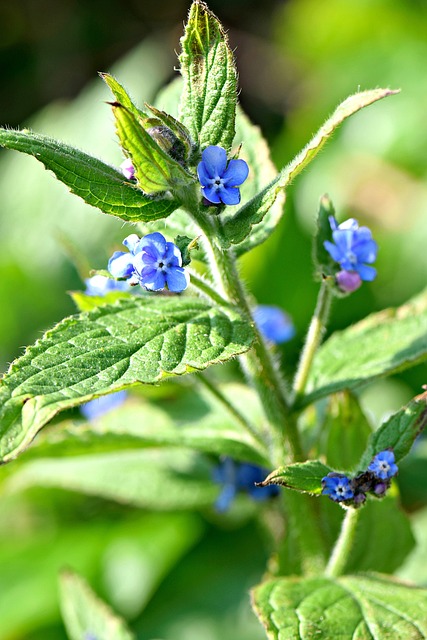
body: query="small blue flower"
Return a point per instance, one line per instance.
(151, 262)
(240, 476)
(274, 324)
(337, 486)
(100, 406)
(220, 182)
(353, 246)
(100, 285)
(128, 169)
(383, 465)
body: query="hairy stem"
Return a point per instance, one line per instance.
(314, 336)
(343, 544)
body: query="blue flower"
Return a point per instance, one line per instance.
(337, 486)
(100, 406)
(383, 465)
(151, 262)
(219, 181)
(240, 476)
(353, 246)
(274, 324)
(100, 285)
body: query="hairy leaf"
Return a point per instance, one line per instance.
(154, 169)
(253, 212)
(135, 340)
(366, 607)
(86, 617)
(121, 95)
(381, 344)
(208, 102)
(399, 431)
(95, 182)
(301, 476)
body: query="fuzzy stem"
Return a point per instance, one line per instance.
(314, 336)
(343, 544)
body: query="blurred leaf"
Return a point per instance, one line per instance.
(362, 607)
(399, 431)
(110, 348)
(345, 432)
(196, 420)
(85, 302)
(95, 182)
(208, 102)
(301, 476)
(155, 170)
(86, 616)
(381, 344)
(252, 213)
(154, 479)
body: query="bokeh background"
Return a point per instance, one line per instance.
(297, 60)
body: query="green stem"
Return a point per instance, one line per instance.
(343, 544)
(314, 336)
(258, 363)
(200, 283)
(239, 417)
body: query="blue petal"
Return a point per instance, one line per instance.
(366, 251)
(366, 273)
(351, 224)
(172, 255)
(211, 194)
(154, 282)
(274, 324)
(215, 161)
(230, 195)
(177, 279)
(204, 178)
(99, 406)
(120, 265)
(154, 242)
(236, 173)
(131, 242)
(333, 250)
(225, 498)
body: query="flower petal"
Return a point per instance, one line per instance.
(154, 282)
(236, 173)
(120, 265)
(211, 194)
(131, 242)
(230, 195)
(366, 273)
(215, 161)
(204, 177)
(154, 243)
(172, 255)
(177, 279)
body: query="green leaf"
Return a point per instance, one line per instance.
(154, 169)
(371, 607)
(193, 420)
(301, 476)
(85, 302)
(399, 431)
(95, 182)
(208, 102)
(154, 479)
(121, 95)
(86, 617)
(253, 212)
(135, 340)
(381, 344)
(345, 432)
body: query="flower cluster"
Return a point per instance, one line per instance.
(151, 262)
(220, 181)
(375, 480)
(240, 476)
(354, 250)
(101, 285)
(274, 324)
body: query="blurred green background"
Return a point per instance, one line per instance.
(296, 60)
